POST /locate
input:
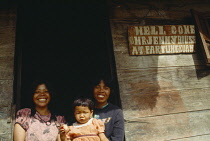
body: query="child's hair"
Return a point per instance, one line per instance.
(83, 102)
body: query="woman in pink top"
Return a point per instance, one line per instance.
(38, 123)
(86, 128)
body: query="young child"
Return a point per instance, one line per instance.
(86, 128)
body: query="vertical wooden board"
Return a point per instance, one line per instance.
(119, 34)
(6, 52)
(168, 127)
(6, 92)
(6, 68)
(7, 28)
(7, 36)
(7, 43)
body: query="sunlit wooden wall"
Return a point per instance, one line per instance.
(164, 97)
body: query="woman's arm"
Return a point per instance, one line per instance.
(19, 133)
(118, 128)
(102, 137)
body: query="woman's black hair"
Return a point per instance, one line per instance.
(51, 104)
(106, 80)
(86, 102)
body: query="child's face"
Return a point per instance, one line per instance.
(101, 93)
(82, 114)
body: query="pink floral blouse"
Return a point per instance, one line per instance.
(38, 127)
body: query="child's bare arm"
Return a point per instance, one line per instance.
(102, 137)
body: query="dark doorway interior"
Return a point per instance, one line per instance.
(68, 43)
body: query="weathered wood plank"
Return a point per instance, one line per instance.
(6, 92)
(156, 9)
(6, 51)
(7, 43)
(7, 67)
(195, 138)
(124, 61)
(168, 127)
(162, 79)
(154, 103)
(7, 28)
(164, 90)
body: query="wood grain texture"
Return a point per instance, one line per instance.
(169, 127)
(124, 61)
(6, 92)
(7, 49)
(164, 103)
(7, 43)
(164, 97)
(156, 9)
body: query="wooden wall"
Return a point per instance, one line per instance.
(164, 97)
(7, 47)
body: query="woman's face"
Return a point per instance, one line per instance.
(101, 93)
(41, 96)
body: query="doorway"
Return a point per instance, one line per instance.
(67, 43)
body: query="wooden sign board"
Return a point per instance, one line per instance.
(161, 39)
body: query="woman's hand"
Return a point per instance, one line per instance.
(19, 133)
(63, 130)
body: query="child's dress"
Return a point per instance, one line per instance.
(86, 132)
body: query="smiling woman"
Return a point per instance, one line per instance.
(110, 114)
(39, 122)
